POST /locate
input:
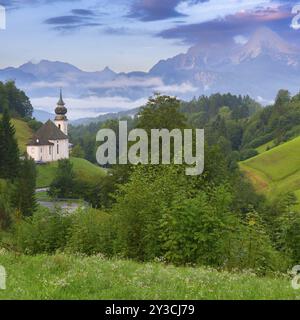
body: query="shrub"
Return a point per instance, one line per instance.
(198, 230)
(44, 232)
(90, 233)
(253, 249)
(139, 207)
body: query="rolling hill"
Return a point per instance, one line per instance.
(82, 168)
(276, 171)
(23, 133)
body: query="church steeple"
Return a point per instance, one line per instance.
(61, 120)
(61, 110)
(61, 101)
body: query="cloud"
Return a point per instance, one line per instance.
(88, 106)
(240, 39)
(16, 4)
(152, 10)
(125, 82)
(183, 88)
(83, 12)
(47, 85)
(78, 18)
(225, 29)
(65, 20)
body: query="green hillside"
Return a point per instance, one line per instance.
(23, 133)
(276, 171)
(265, 147)
(82, 277)
(83, 169)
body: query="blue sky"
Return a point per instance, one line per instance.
(130, 35)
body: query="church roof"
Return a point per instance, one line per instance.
(49, 131)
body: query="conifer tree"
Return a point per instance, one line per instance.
(9, 151)
(24, 189)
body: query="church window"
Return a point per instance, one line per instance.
(59, 126)
(50, 150)
(57, 148)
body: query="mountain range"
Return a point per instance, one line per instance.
(259, 68)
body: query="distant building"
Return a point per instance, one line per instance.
(51, 141)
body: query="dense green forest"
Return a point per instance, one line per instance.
(15, 100)
(148, 212)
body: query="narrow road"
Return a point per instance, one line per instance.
(39, 190)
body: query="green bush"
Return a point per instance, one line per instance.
(252, 248)
(139, 208)
(199, 230)
(44, 232)
(91, 232)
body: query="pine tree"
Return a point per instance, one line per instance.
(63, 185)
(24, 189)
(9, 151)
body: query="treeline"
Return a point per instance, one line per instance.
(150, 212)
(15, 100)
(225, 113)
(279, 122)
(238, 124)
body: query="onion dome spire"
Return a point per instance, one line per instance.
(61, 110)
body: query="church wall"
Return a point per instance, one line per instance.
(62, 125)
(63, 149)
(49, 153)
(40, 153)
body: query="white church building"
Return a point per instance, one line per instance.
(51, 141)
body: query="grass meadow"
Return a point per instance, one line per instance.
(276, 171)
(63, 276)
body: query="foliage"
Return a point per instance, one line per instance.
(277, 122)
(139, 208)
(63, 185)
(288, 228)
(156, 114)
(9, 151)
(198, 230)
(34, 125)
(23, 197)
(15, 100)
(253, 248)
(247, 154)
(6, 209)
(44, 232)
(78, 152)
(90, 233)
